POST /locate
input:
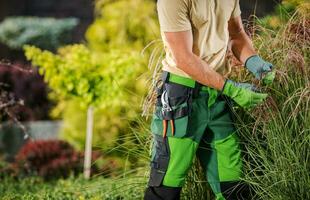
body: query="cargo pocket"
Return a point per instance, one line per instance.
(160, 161)
(180, 100)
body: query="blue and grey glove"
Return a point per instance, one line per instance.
(261, 69)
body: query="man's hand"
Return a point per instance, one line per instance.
(261, 69)
(244, 94)
(243, 49)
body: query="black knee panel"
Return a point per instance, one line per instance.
(162, 193)
(159, 164)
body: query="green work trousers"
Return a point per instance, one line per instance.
(203, 126)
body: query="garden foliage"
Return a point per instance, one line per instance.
(282, 14)
(277, 135)
(89, 77)
(123, 24)
(105, 80)
(22, 82)
(46, 33)
(73, 188)
(52, 159)
(112, 56)
(49, 159)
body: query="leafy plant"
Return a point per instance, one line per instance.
(48, 158)
(26, 84)
(46, 33)
(53, 159)
(116, 59)
(123, 24)
(106, 80)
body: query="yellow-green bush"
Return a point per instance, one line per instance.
(115, 40)
(79, 77)
(123, 24)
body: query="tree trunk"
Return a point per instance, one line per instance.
(88, 145)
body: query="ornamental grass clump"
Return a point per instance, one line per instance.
(276, 135)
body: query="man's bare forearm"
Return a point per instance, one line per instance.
(200, 71)
(181, 44)
(242, 46)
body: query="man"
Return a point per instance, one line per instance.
(192, 115)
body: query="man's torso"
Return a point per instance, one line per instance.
(209, 26)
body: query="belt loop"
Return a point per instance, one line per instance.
(197, 89)
(165, 76)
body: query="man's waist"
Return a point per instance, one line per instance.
(185, 81)
(191, 83)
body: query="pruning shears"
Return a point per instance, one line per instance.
(166, 108)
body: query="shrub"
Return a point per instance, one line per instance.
(49, 159)
(113, 53)
(118, 34)
(91, 78)
(46, 33)
(106, 80)
(53, 159)
(26, 84)
(123, 24)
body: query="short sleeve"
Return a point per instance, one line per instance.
(237, 11)
(173, 15)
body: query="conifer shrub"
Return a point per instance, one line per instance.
(46, 33)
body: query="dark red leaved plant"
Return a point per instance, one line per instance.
(49, 159)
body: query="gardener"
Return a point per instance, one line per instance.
(192, 114)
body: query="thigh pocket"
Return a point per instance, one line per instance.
(179, 98)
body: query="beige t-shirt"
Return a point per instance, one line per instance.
(208, 21)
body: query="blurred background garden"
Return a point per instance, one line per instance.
(71, 68)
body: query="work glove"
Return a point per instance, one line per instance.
(261, 69)
(244, 94)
